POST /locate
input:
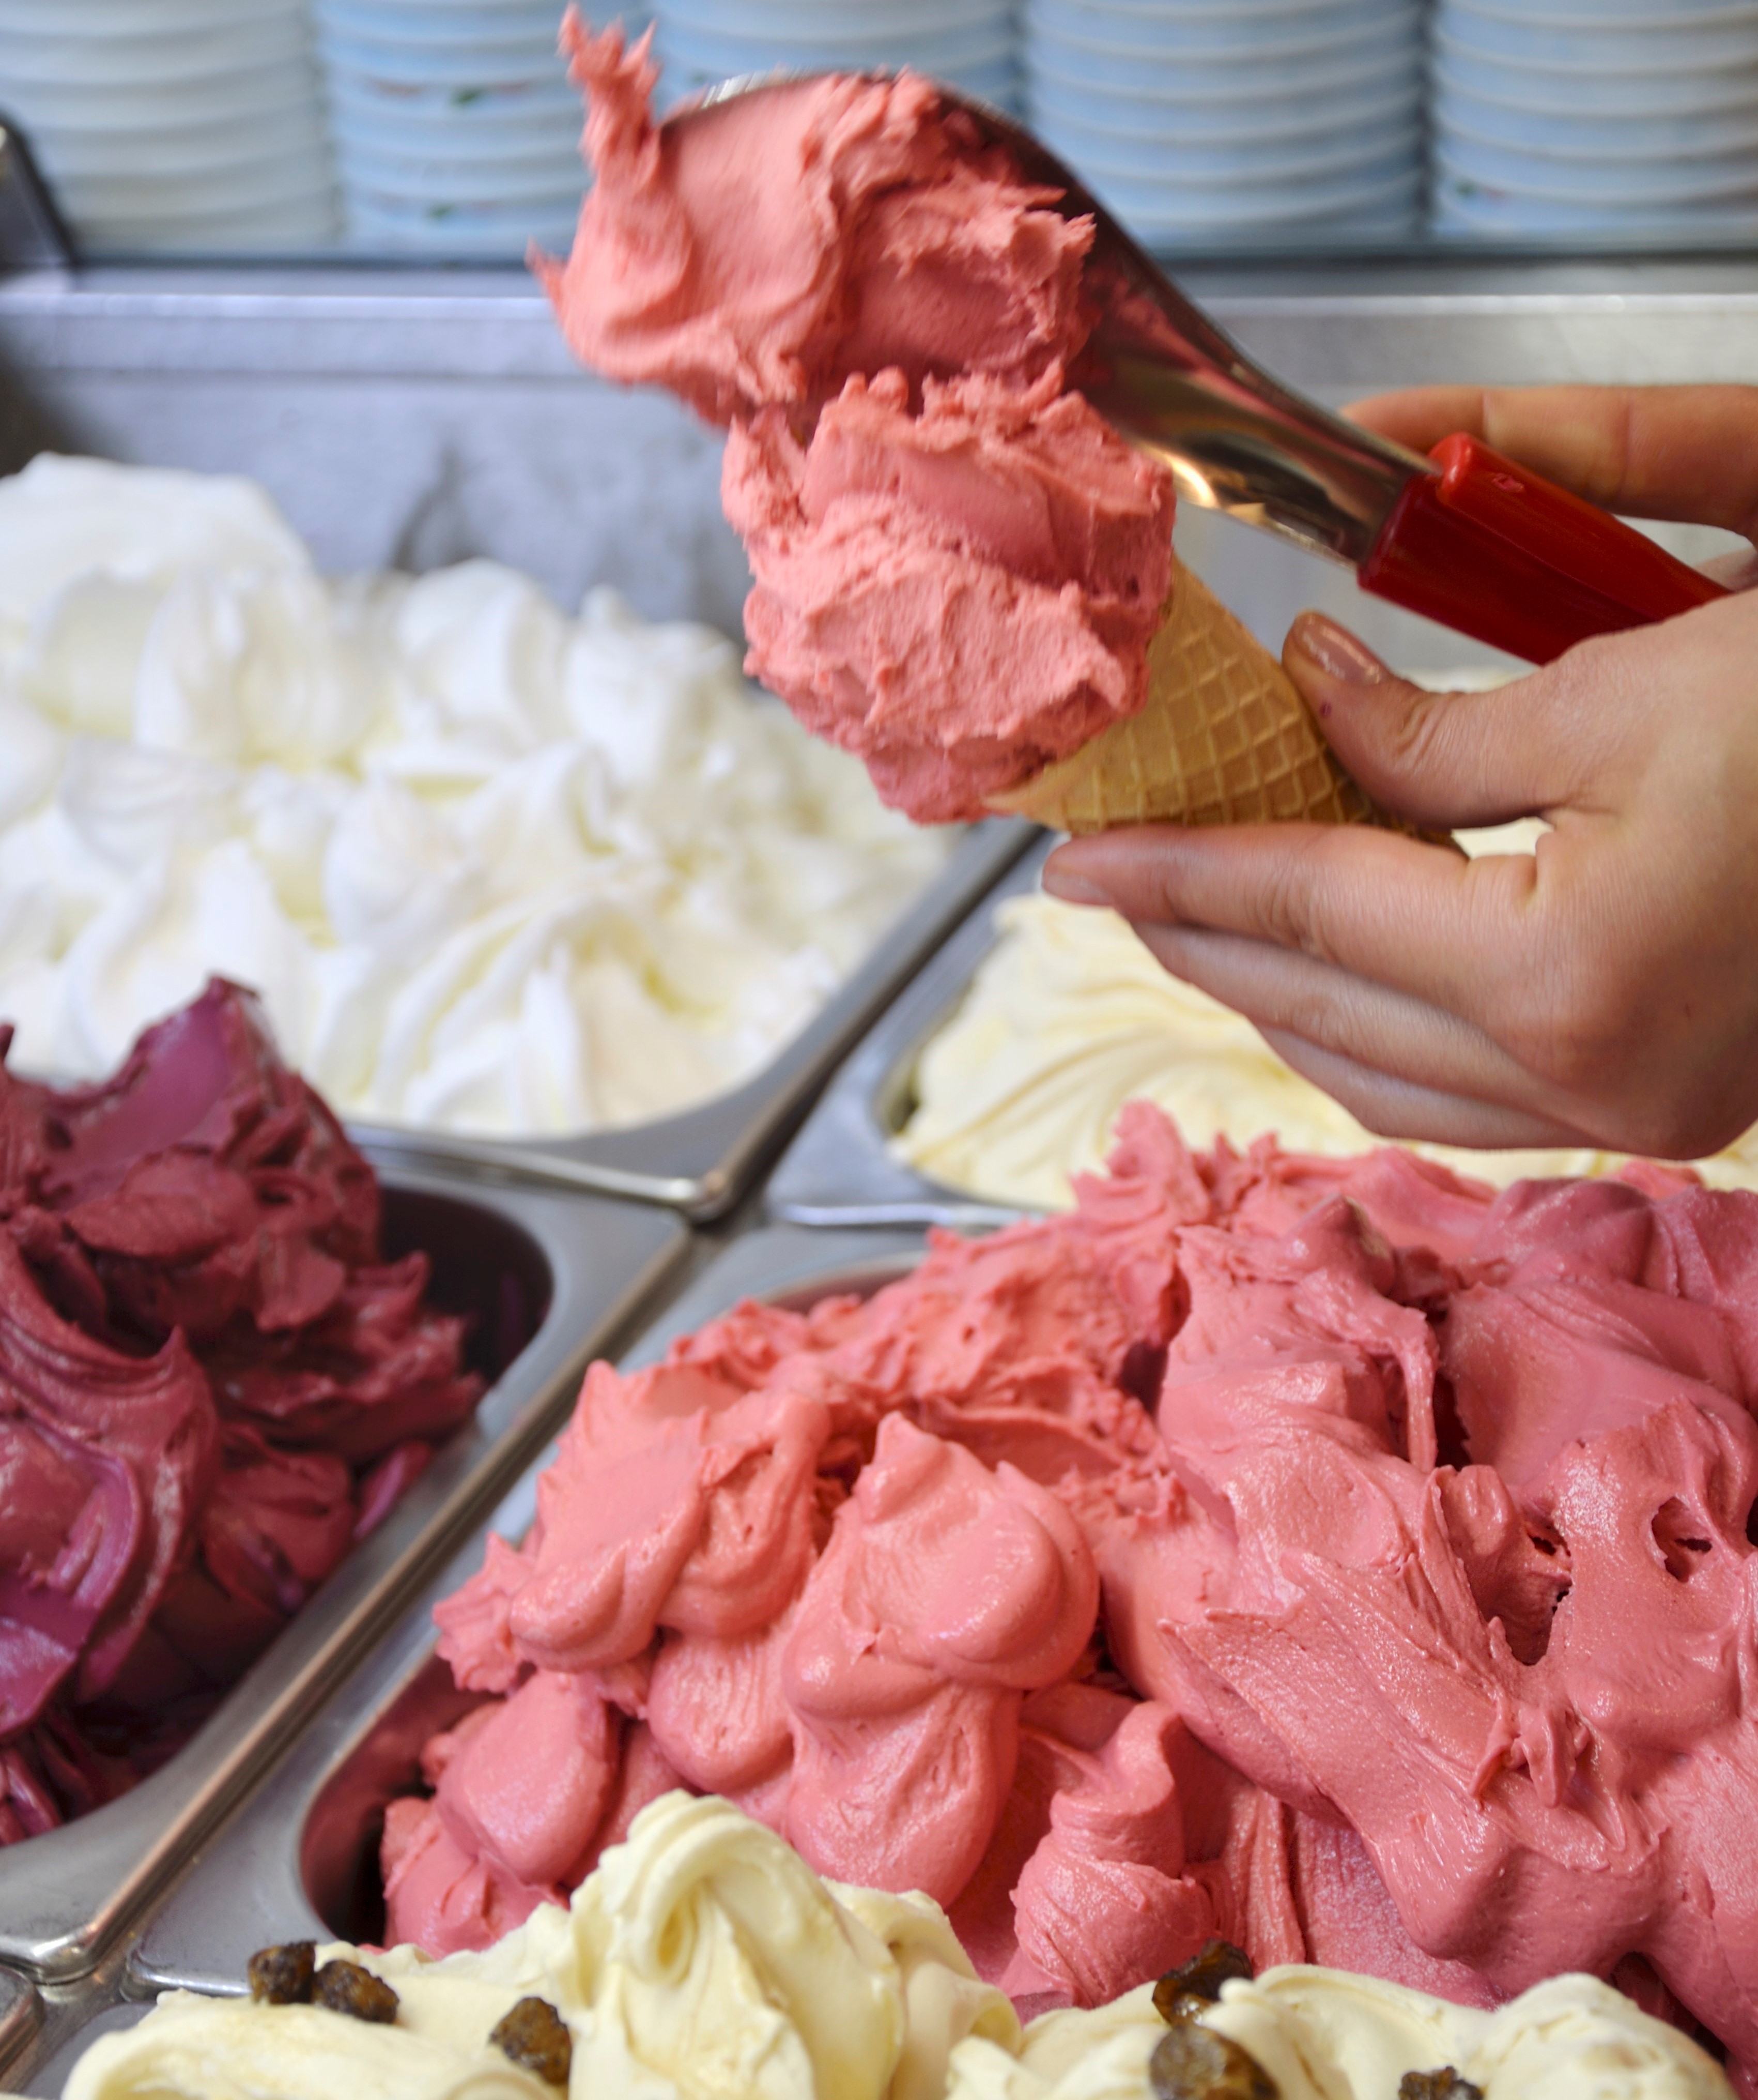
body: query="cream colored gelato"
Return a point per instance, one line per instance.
(1069, 1017)
(492, 868)
(1321, 2034)
(704, 1959)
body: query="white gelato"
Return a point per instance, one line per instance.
(1068, 1017)
(491, 868)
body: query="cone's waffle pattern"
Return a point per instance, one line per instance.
(1224, 739)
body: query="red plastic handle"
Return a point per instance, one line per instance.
(1497, 552)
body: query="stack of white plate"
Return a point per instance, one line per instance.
(456, 129)
(970, 44)
(1595, 117)
(1205, 120)
(173, 125)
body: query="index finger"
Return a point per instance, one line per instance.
(1417, 919)
(1689, 453)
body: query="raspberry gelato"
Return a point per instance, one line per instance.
(211, 1384)
(1336, 1554)
(959, 565)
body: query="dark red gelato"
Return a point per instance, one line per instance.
(211, 1384)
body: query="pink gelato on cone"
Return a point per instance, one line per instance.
(960, 566)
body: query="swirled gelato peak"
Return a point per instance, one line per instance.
(846, 225)
(959, 565)
(1331, 1554)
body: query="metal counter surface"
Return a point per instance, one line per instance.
(412, 417)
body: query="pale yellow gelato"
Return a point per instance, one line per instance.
(1069, 1017)
(1321, 2034)
(704, 1959)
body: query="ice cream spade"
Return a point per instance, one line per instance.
(1469, 538)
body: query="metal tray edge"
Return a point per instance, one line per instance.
(839, 1171)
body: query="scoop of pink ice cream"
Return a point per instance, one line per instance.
(959, 595)
(845, 225)
(959, 566)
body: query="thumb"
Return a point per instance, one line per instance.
(1444, 759)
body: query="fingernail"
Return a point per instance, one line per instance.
(1336, 652)
(1073, 888)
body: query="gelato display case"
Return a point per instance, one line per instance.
(544, 1280)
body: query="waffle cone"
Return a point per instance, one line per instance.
(1224, 739)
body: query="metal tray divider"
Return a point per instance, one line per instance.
(65, 1897)
(839, 1171)
(702, 1161)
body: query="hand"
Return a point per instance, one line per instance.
(1605, 991)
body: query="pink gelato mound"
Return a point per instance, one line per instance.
(211, 1384)
(960, 566)
(1338, 1556)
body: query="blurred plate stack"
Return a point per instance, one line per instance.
(1595, 117)
(456, 129)
(970, 44)
(1202, 122)
(173, 126)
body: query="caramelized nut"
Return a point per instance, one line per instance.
(1442, 2085)
(1194, 2063)
(536, 2037)
(345, 1986)
(282, 1975)
(1199, 1978)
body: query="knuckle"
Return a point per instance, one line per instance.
(1290, 906)
(1575, 1021)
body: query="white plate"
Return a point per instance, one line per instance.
(1568, 136)
(1267, 160)
(1200, 107)
(1301, 24)
(1661, 47)
(145, 63)
(1248, 73)
(1638, 186)
(1462, 209)
(184, 149)
(471, 183)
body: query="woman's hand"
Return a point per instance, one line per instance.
(1604, 991)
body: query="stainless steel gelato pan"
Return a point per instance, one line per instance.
(547, 1279)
